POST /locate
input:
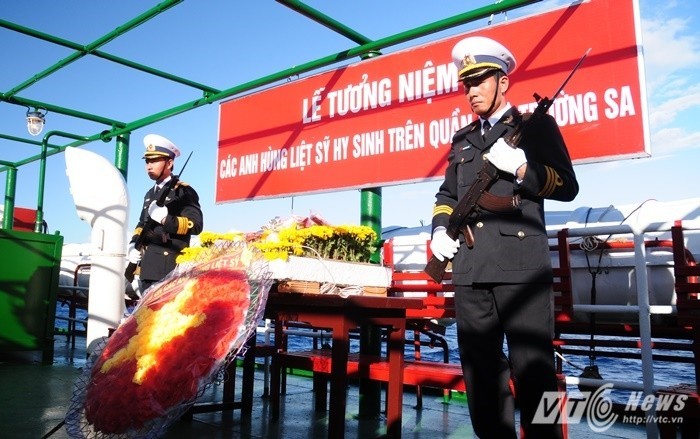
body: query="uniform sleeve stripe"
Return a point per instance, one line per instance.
(440, 209)
(552, 182)
(546, 189)
(183, 225)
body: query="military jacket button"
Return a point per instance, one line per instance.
(480, 224)
(165, 253)
(521, 234)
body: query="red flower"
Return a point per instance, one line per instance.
(138, 378)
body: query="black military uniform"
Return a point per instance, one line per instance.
(164, 241)
(503, 280)
(525, 257)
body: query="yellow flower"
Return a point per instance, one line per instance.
(350, 243)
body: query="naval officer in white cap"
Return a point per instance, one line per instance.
(163, 231)
(502, 269)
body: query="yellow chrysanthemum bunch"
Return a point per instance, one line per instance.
(345, 242)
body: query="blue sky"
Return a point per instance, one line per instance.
(222, 43)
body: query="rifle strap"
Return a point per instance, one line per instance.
(498, 204)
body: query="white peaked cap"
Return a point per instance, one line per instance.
(158, 146)
(475, 56)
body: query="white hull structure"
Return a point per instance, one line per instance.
(602, 241)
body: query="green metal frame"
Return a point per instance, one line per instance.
(371, 204)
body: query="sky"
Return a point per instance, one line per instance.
(222, 44)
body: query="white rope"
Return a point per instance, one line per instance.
(332, 287)
(568, 362)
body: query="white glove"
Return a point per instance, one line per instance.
(505, 157)
(132, 254)
(442, 245)
(157, 213)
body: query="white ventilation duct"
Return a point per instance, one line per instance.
(101, 199)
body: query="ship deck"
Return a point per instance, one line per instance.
(35, 399)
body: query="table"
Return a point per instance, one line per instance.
(342, 315)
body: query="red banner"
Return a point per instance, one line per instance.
(389, 120)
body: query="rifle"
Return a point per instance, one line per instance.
(468, 206)
(150, 224)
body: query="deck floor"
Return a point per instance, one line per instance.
(35, 399)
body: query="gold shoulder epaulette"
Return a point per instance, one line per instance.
(181, 183)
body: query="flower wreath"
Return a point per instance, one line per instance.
(169, 350)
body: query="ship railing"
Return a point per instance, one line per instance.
(686, 301)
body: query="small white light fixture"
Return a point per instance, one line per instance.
(35, 121)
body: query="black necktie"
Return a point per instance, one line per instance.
(486, 126)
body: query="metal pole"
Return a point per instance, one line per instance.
(121, 154)
(371, 337)
(42, 175)
(371, 214)
(645, 328)
(42, 178)
(10, 190)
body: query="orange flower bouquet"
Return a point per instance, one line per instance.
(170, 349)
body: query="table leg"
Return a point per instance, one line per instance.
(248, 386)
(339, 380)
(276, 371)
(395, 385)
